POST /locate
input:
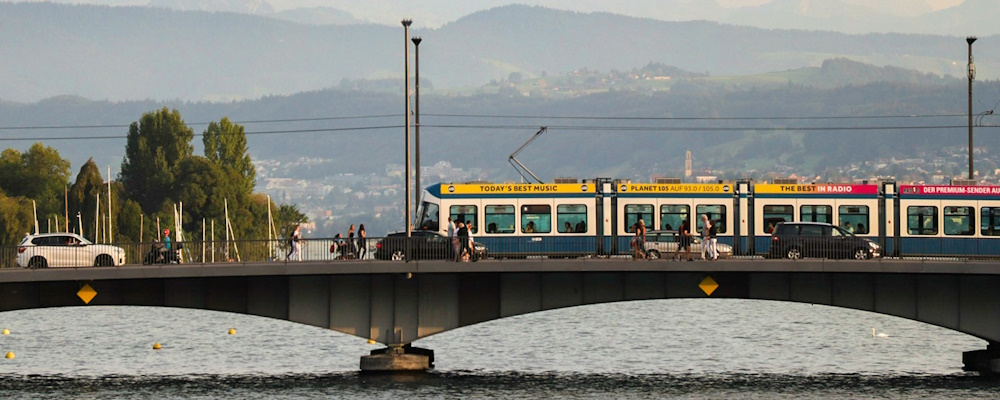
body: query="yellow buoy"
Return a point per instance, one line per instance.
(10, 355)
(232, 331)
(371, 341)
(6, 331)
(156, 346)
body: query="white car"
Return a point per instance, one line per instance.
(66, 250)
(663, 244)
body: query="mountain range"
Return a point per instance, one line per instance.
(134, 53)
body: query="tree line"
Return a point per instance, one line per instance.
(159, 171)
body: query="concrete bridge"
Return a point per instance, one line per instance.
(396, 303)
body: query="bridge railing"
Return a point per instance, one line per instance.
(393, 248)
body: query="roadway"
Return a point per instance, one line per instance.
(196, 270)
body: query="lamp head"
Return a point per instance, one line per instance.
(970, 39)
(407, 22)
(416, 41)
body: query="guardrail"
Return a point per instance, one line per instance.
(424, 247)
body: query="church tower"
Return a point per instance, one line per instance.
(687, 165)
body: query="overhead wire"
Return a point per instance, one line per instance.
(524, 127)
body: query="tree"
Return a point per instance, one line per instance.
(83, 196)
(38, 174)
(205, 190)
(15, 221)
(156, 144)
(226, 145)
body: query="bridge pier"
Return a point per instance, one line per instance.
(398, 358)
(985, 362)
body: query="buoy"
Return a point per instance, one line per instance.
(371, 341)
(10, 355)
(6, 331)
(156, 346)
(232, 331)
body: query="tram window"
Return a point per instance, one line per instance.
(813, 213)
(921, 220)
(536, 219)
(571, 218)
(672, 215)
(989, 218)
(773, 215)
(959, 221)
(429, 217)
(857, 216)
(465, 214)
(499, 219)
(716, 213)
(635, 212)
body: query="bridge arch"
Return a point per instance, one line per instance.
(399, 303)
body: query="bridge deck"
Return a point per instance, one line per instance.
(195, 270)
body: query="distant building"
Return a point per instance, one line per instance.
(687, 165)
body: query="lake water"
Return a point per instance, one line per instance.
(697, 349)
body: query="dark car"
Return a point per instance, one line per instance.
(424, 245)
(795, 240)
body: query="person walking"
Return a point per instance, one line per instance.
(640, 240)
(705, 226)
(352, 251)
(684, 241)
(713, 240)
(296, 253)
(362, 242)
(455, 242)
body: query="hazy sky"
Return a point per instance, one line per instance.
(434, 13)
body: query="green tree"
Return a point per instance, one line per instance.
(156, 144)
(226, 145)
(38, 174)
(204, 192)
(83, 196)
(15, 221)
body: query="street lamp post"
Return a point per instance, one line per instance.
(972, 76)
(406, 93)
(417, 189)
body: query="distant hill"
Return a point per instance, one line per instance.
(130, 53)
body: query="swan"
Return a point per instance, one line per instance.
(882, 335)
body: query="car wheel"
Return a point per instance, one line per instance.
(38, 262)
(860, 254)
(794, 253)
(398, 255)
(652, 254)
(104, 260)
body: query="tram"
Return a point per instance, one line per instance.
(596, 216)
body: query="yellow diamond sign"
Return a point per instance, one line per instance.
(708, 285)
(86, 293)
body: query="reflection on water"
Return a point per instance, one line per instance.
(650, 349)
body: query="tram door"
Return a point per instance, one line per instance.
(605, 201)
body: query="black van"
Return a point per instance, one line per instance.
(795, 240)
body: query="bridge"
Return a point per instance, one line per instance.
(396, 303)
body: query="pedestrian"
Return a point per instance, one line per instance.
(684, 236)
(713, 240)
(352, 251)
(451, 227)
(463, 236)
(640, 240)
(337, 248)
(362, 242)
(705, 226)
(455, 242)
(296, 253)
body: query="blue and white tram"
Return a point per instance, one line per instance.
(519, 220)
(595, 217)
(941, 220)
(854, 207)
